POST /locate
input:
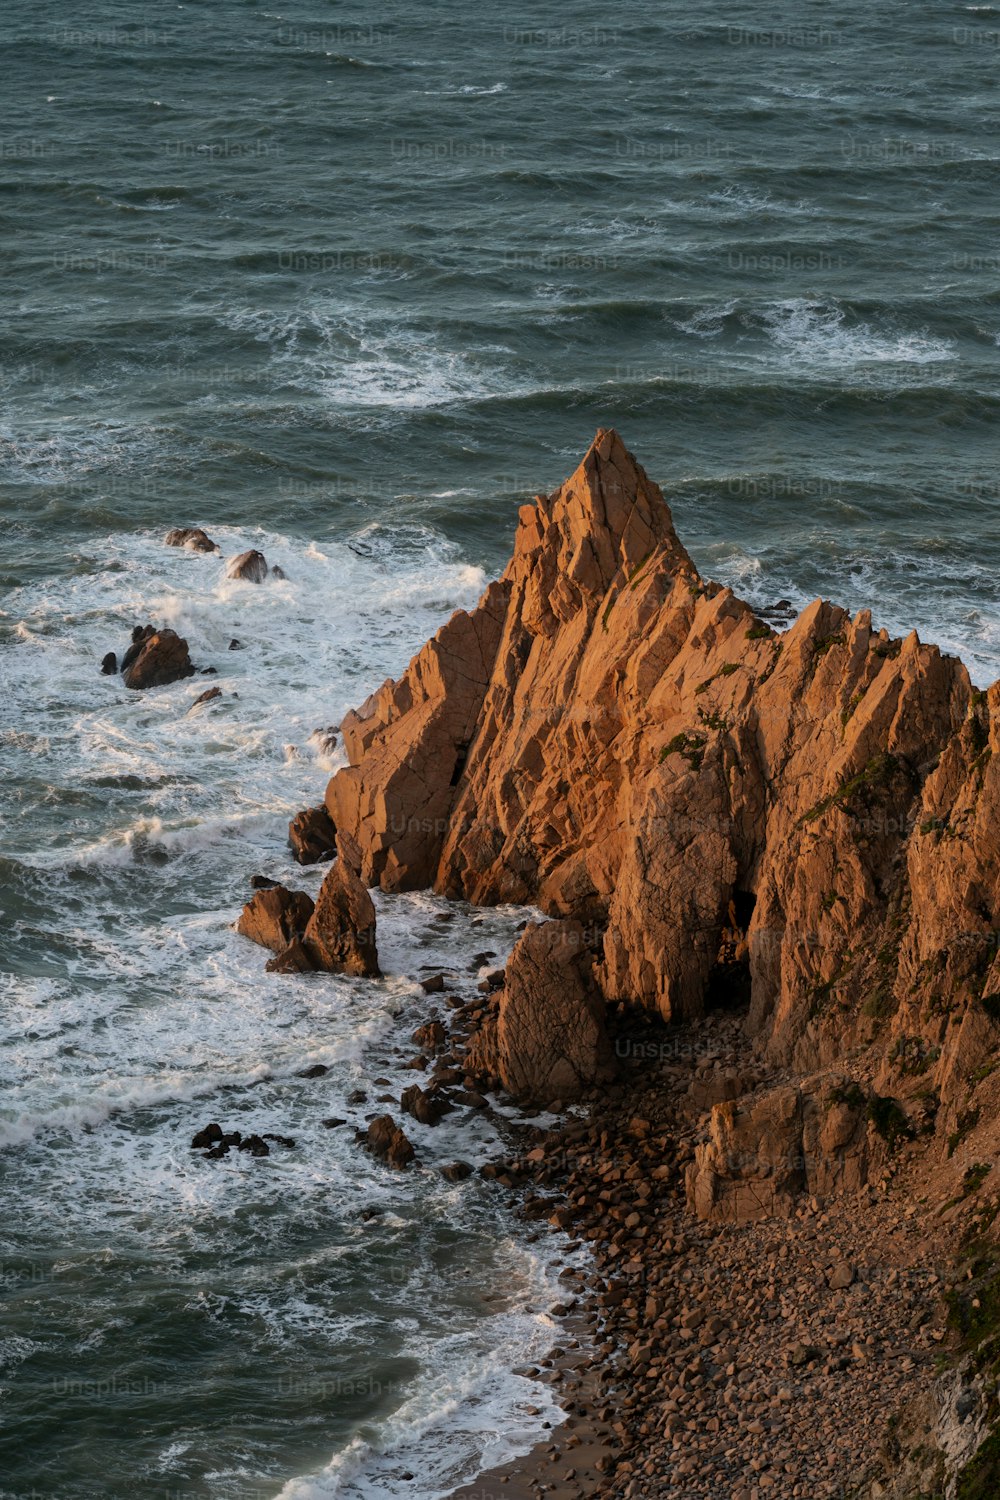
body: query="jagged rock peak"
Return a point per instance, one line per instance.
(592, 534)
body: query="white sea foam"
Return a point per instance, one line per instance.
(158, 1017)
(819, 334)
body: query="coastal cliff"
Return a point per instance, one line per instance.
(609, 735)
(784, 833)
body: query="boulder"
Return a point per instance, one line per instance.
(548, 1040)
(426, 1107)
(312, 836)
(109, 664)
(250, 566)
(340, 936)
(156, 658)
(207, 696)
(387, 1141)
(255, 1145)
(191, 537)
(275, 917)
(431, 1036)
(457, 1171)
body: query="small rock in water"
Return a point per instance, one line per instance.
(386, 1140)
(325, 739)
(295, 959)
(255, 1145)
(250, 566)
(155, 658)
(315, 1071)
(191, 537)
(263, 882)
(235, 645)
(207, 696)
(278, 572)
(207, 1137)
(434, 985)
(109, 664)
(333, 1123)
(312, 836)
(457, 1171)
(275, 917)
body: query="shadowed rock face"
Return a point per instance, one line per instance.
(548, 1041)
(340, 936)
(312, 836)
(623, 742)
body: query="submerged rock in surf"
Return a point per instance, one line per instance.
(387, 1141)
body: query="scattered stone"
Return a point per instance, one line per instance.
(841, 1276)
(255, 1145)
(426, 1108)
(295, 959)
(431, 1036)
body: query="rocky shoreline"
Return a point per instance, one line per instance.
(716, 1362)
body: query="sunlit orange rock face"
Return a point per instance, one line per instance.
(622, 742)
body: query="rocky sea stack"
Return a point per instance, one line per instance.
(803, 822)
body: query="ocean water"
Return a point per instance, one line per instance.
(349, 285)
